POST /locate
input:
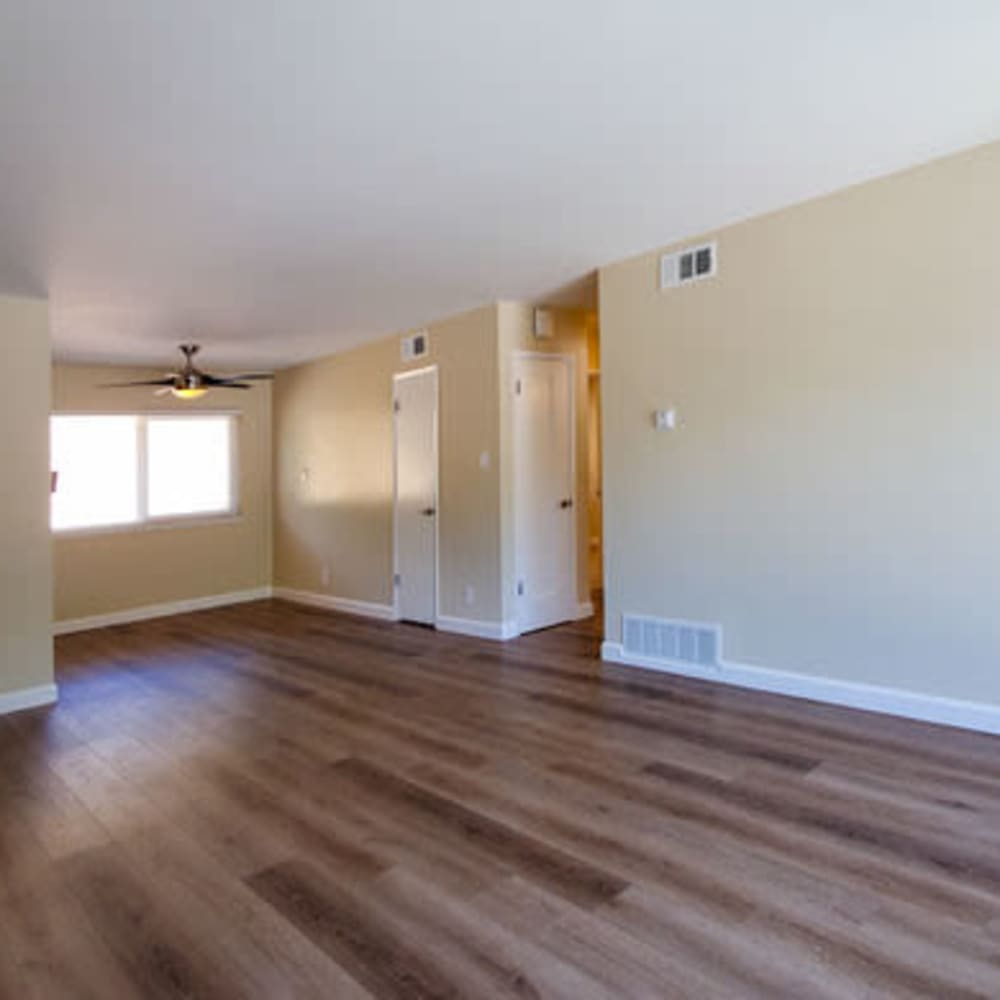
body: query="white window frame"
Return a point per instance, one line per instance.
(146, 522)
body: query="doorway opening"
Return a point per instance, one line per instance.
(558, 515)
(595, 473)
(545, 489)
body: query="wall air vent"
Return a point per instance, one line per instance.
(691, 264)
(666, 639)
(417, 345)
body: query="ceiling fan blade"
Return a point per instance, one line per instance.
(253, 376)
(126, 385)
(229, 379)
(231, 385)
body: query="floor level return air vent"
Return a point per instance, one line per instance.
(670, 640)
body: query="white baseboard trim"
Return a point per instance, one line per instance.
(36, 697)
(367, 609)
(477, 628)
(977, 716)
(129, 615)
(511, 629)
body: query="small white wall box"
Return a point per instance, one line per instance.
(545, 326)
(665, 420)
(415, 346)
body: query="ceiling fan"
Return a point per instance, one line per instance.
(190, 382)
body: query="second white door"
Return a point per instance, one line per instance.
(415, 396)
(544, 494)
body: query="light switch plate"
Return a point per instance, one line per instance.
(665, 420)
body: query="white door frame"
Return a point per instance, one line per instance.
(396, 379)
(570, 362)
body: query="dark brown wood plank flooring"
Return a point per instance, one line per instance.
(269, 801)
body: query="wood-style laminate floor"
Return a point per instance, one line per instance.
(269, 801)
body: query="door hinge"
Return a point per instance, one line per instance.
(395, 406)
(517, 387)
(520, 588)
(397, 580)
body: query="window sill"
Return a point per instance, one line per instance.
(156, 524)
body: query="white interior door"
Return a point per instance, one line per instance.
(544, 490)
(416, 405)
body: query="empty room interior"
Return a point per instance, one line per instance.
(499, 500)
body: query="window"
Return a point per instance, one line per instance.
(116, 471)
(188, 466)
(96, 460)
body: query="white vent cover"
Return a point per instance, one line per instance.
(665, 639)
(691, 264)
(415, 346)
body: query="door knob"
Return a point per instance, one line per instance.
(428, 512)
(566, 504)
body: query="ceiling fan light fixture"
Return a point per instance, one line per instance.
(190, 382)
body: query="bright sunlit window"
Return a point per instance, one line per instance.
(188, 463)
(96, 460)
(117, 471)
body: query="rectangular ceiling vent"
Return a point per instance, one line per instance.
(666, 639)
(691, 264)
(415, 346)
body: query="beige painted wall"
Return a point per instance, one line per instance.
(832, 494)
(333, 474)
(25, 551)
(334, 469)
(111, 571)
(571, 334)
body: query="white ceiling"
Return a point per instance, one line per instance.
(282, 178)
